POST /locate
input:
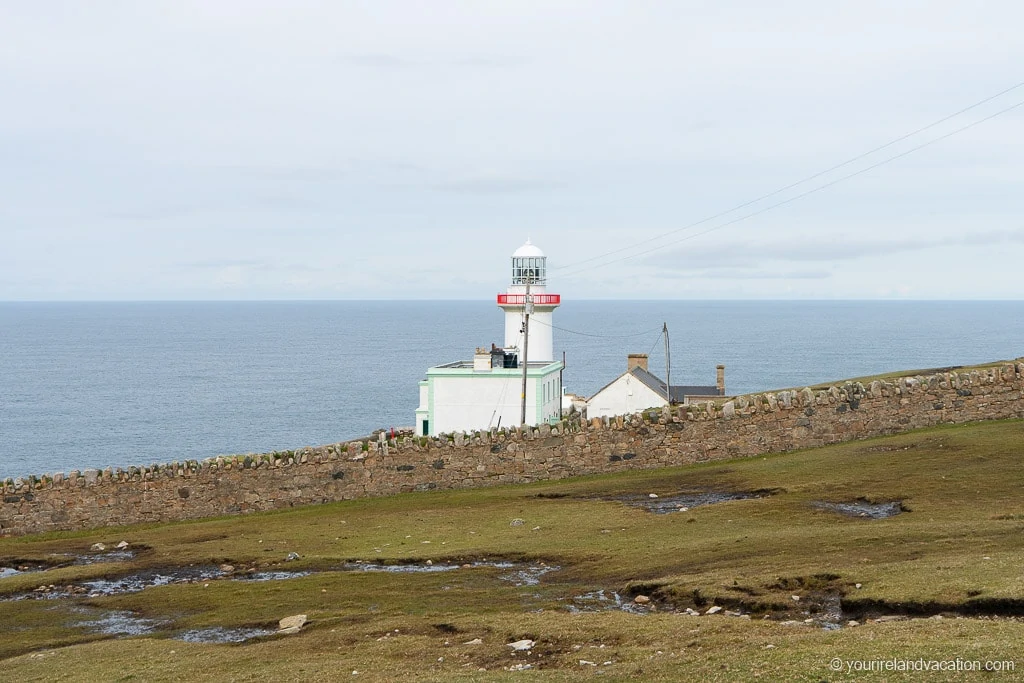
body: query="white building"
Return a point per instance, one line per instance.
(637, 389)
(486, 392)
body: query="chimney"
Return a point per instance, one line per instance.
(636, 360)
(720, 380)
(481, 360)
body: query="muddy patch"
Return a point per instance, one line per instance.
(682, 502)
(222, 635)
(863, 508)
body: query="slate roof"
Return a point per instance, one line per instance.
(679, 391)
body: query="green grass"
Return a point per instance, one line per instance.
(957, 551)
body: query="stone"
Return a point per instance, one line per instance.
(853, 623)
(97, 547)
(714, 610)
(522, 645)
(475, 641)
(122, 545)
(796, 598)
(227, 568)
(517, 522)
(291, 556)
(641, 599)
(692, 612)
(652, 495)
(291, 624)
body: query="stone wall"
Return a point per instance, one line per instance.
(744, 426)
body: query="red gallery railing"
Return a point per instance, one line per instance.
(538, 299)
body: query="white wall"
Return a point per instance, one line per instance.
(464, 403)
(624, 396)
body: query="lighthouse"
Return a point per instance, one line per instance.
(519, 382)
(528, 292)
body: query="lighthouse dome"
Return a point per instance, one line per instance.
(528, 250)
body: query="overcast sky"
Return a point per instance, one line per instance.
(232, 149)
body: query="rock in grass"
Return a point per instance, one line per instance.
(292, 624)
(475, 641)
(517, 522)
(122, 545)
(521, 645)
(98, 547)
(714, 610)
(641, 599)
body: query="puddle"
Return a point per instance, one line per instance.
(524, 576)
(8, 571)
(603, 601)
(863, 509)
(408, 568)
(133, 583)
(222, 635)
(830, 612)
(119, 623)
(681, 502)
(95, 558)
(270, 576)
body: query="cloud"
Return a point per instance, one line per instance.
(799, 249)
(499, 185)
(392, 61)
(376, 61)
(224, 263)
(756, 274)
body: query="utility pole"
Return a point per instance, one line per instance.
(561, 389)
(527, 309)
(668, 367)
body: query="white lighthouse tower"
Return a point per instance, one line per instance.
(528, 291)
(519, 383)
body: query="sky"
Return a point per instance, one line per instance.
(243, 149)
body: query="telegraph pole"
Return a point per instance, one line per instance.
(527, 309)
(668, 367)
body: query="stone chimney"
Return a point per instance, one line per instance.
(636, 360)
(720, 380)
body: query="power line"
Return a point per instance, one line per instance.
(600, 336)
(660, 335)
(785, 201)
(810, 177)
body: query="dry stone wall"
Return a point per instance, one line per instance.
(744, 426)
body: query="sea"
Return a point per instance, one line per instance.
(94, 385)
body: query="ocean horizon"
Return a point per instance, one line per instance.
(120, 383)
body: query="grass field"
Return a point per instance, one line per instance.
(941, 580)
